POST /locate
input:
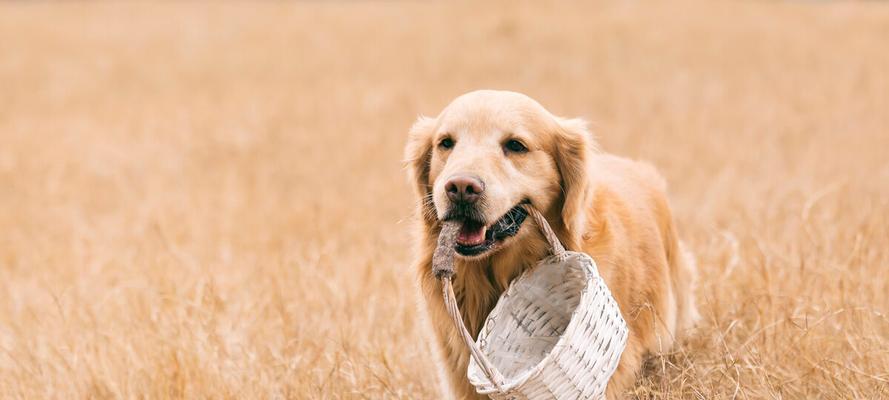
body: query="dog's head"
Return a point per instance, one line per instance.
(488, 153)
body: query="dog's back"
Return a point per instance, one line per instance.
(632, 236)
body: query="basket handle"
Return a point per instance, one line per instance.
(555, 244)
(450, 299)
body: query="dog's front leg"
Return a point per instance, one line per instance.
(456, 361)
(452, 351)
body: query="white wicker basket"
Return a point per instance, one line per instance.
(556, 333)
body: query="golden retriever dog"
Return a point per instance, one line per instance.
(489, 152)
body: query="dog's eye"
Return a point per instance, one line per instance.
(446, 143)
(515, 146)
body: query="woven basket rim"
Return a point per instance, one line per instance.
(486, 386)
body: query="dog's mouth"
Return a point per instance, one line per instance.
(476, 238)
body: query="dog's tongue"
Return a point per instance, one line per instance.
(471, 234)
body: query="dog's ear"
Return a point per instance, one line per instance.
(574, 145)
(417, 156)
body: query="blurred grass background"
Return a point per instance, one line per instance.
(206, 200)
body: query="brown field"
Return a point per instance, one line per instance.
(207, 200)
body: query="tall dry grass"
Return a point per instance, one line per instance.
(206, 200)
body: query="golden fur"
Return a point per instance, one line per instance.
(612, 208)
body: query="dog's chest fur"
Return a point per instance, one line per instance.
(479, 284)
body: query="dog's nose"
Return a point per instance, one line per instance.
(464, 188)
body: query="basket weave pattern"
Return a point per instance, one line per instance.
(556, 333)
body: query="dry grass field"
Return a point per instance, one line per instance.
(207, 200)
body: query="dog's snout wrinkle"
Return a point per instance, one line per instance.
(464, 211)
